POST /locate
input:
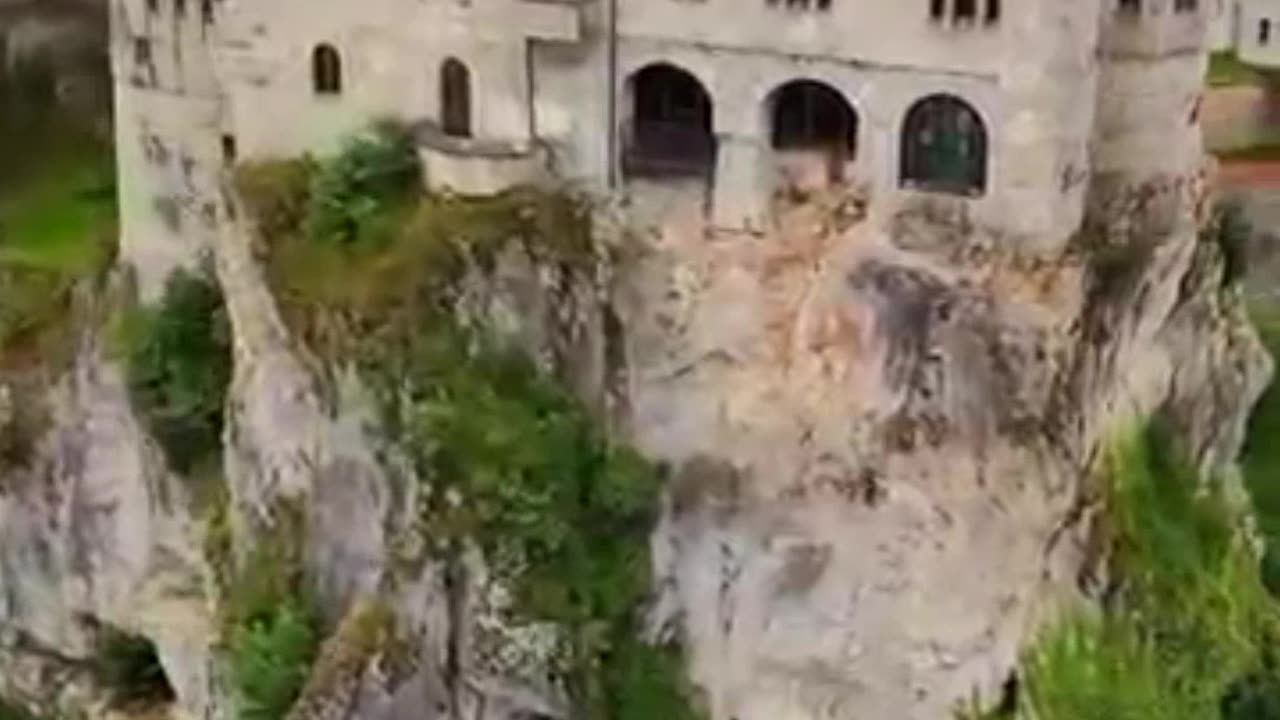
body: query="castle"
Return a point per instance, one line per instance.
(1003, 107)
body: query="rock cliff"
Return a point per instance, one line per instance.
(879, 439)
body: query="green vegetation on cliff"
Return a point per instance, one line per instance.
(178, 363)
(366, 274)
(57, 226)
(271, 626)
(1186, 619)
(1261, 461)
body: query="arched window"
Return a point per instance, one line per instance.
(455, 98)
(944, 147)
(670, 132)
(809, 114)
(326, 70)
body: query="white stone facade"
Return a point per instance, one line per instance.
(1257, 32)
(553, 83)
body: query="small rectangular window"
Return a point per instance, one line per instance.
(142, 51)
(1185, 6)
(1131, 6)
(966, 10)
(937, 9)
(229, 151)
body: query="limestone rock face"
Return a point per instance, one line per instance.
(881, 436)
(883, 433)
(94, 529)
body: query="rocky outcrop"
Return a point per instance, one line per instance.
(881, 439)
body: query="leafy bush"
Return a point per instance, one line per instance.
(179, 367)
(271, 656)
(269, 620)
(1189, 617)
(129, 666)
(352, 194)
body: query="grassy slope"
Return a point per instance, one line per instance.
(1261, 461)
(57, 203)
(1225, 69)
(57, 224)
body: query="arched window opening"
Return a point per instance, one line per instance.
(455, 98)
(944, 147)
(814, 131)
(326, 70)
(670, 132)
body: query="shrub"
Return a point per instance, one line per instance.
(179, 367)
(270, 621)
(352, 193)
(271, 656)
(128, 665)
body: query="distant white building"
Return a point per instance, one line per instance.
(1249, 27)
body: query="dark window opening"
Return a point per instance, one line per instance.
(670, 132)
(180, 8)
(944, 147)
(145, 73)
(1183, 6)
(455, 98)
(206, 12)
(1131, 6)
(326, 70)
(142, 51)
(937, 9)
(1264, 31)
(153, 6)
(993, 11)
(966, 10)
(229, 152)
(812, 115)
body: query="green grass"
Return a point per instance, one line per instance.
(1188, 618)
(1265, 149)
(270, 623)
(57, 227)
(1261, 460)
(57, 199)
(1225, 69)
